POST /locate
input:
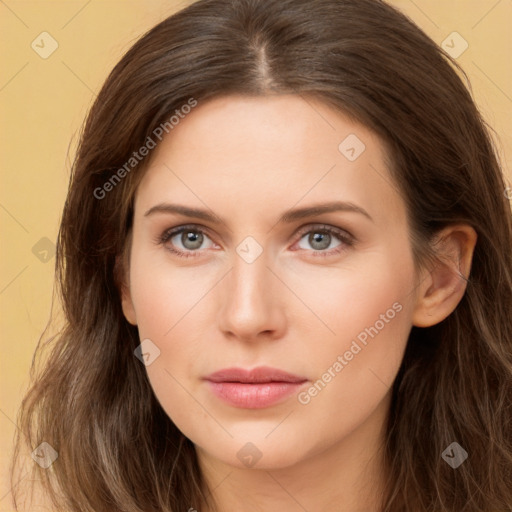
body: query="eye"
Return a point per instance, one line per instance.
(190, 237)
(321, 237)
(186, 241)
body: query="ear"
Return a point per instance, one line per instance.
(443, 286)
(122, 273)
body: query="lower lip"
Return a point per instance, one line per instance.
(254, 396)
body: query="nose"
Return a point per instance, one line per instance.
(251, 301)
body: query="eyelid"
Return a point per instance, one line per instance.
(341, 232)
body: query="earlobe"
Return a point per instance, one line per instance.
(127, 305)
(443, 286)
(122, 277)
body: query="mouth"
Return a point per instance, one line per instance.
(254, 389)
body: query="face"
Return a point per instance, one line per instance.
(319, 302)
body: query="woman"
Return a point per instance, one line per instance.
(285, 267)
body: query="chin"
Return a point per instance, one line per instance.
(264, 454)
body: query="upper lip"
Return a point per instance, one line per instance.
(261, 374)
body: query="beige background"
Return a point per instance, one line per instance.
(42, 105)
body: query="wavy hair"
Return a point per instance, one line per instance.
(91, 400)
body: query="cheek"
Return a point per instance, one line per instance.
(169, 303)
(352, 297)
(163, 305)
(370, 310)
(162, 293)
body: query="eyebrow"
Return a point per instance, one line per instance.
(287, 217)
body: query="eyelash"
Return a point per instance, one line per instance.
(343, 236)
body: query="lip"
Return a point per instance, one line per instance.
(254, 389)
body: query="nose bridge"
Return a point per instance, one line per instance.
(249, 299)
(249, 280)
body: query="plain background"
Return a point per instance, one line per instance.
(43, 102)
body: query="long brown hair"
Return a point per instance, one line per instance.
(91, 400)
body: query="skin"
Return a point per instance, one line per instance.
(248, 159)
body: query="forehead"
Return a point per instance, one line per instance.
(242, 154)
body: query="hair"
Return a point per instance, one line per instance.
(91, 399)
